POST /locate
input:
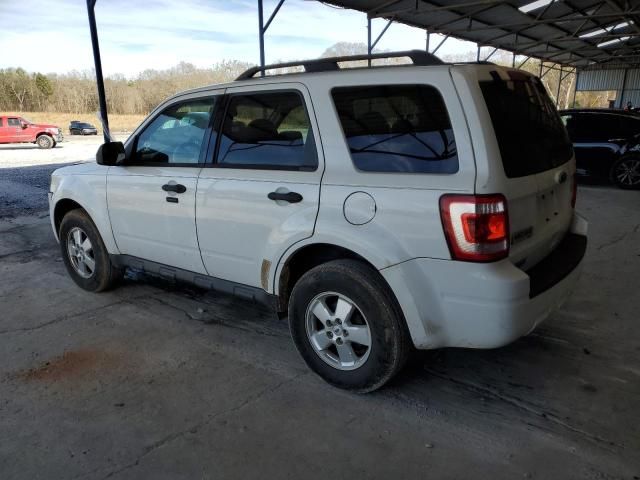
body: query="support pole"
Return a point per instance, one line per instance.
(513, 60)
(262, 29)
(478, 54)
(260, 35)
(624, 88)
(369, 47)
(575, 90)
(102, 99)
(559, 85)
(428, 39)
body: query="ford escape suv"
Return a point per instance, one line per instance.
(426, 205)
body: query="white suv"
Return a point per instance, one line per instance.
(427, 205)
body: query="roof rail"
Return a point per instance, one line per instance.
(419, 57)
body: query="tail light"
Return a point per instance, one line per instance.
(574, 190)
(476, 226)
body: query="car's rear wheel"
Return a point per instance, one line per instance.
(45, 141)
(347, 325)
(625, 172)
(84, 254)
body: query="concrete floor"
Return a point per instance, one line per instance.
(160, 381)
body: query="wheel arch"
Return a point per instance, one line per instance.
(99, 216)
(306, 257)
(62, 207)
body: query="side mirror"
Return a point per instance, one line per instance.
(111, 153)
(23, 125)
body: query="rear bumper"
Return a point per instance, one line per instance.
(461, 304)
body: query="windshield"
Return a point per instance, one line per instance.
(527, 125)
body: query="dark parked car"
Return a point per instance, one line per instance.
(606, 144)
(82, 128)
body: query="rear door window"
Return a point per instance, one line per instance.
(397, 128)
(267, 130)
(528, 128)
(629, 126)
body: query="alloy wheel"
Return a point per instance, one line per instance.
(338, 331)
(81, 252)
(627, 172)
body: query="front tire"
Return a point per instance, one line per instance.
(347, 325)
(84, 254)
(625, 172)
(45, 141)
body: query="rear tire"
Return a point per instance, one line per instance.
(625, 172)
(84, 254)
(347, 325)
(45, 141)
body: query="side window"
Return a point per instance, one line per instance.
(593, 127)
(629, 126)
(13, 122)
(397, 128)
(176, 135)
(0, 122)
(268, 130)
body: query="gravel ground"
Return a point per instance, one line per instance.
(159, 380)
(25, 171)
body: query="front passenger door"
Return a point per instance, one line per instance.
(151, 199)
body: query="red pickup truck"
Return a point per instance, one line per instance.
(14, 129)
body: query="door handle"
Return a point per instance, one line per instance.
(178, 188)
(291, 197)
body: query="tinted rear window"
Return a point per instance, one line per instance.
(528, 128)
(397, 128)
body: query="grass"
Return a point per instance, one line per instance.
(117, 123)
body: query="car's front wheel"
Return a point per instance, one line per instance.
(45, 141)
(84, 254)
(347, 325)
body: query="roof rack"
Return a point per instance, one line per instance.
(419, 57)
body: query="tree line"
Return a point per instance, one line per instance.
(75, 92)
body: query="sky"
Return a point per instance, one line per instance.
(158, 34)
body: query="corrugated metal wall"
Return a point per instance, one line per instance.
(627, 86)
(600, 80)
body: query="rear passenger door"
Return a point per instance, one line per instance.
(260, 195)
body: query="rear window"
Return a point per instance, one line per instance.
(527, 125)
(397, 128)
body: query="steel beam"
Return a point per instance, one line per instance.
(102, 98)
(440, 44)
(559, 85)
(432, 9)
(490, 55)
(386, 27)
(262, 28)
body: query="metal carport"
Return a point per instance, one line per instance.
(581, 37)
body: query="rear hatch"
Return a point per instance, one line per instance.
(537, 162)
